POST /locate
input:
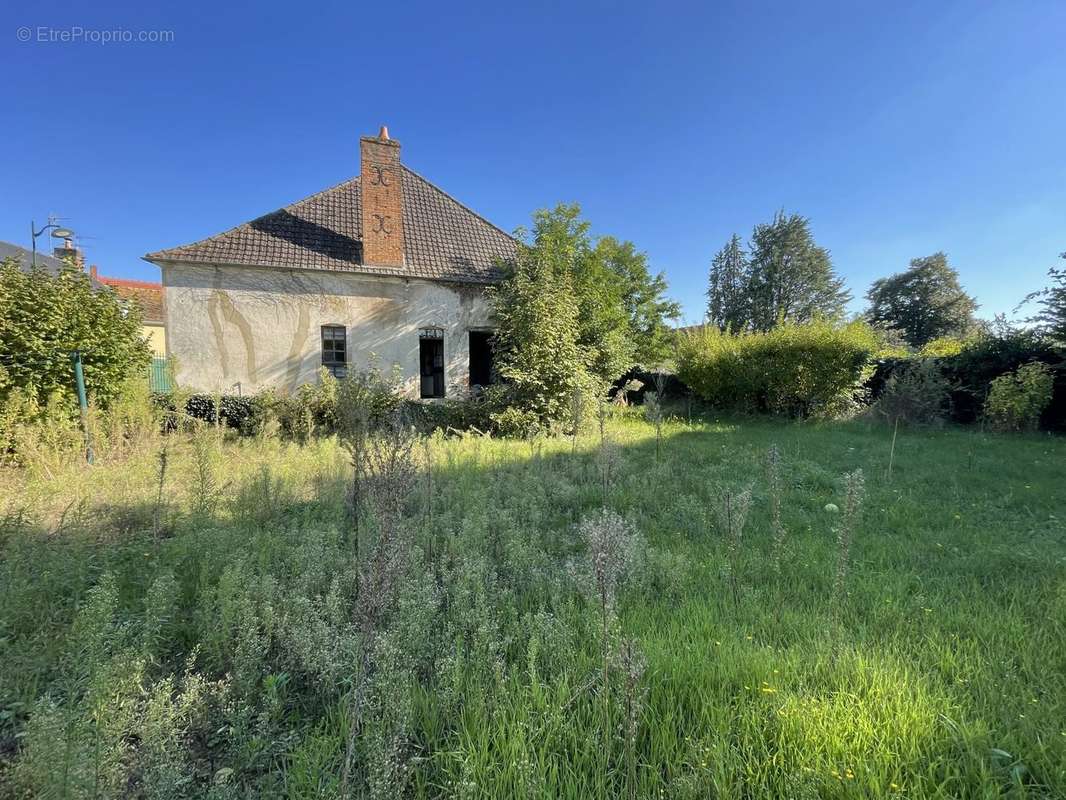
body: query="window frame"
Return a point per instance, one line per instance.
(334, 335)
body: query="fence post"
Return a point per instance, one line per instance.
(83, 405)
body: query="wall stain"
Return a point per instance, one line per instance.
(220, 337)
(220, 307)
(299, 339)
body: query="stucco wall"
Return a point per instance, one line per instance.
(261, 327)
(157, 339)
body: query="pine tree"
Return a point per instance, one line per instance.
(791, 277)
(728, 304)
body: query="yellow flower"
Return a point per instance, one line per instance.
(894, 786)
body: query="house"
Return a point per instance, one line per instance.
(147, 296)
(383, 268)
(25, 258)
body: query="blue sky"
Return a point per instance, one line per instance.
(898, 128)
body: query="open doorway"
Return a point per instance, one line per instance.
(431, 365)
(480, 358)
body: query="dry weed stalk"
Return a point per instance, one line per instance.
(774, 488)
(161, 478)
(577, 415)
(631, 663)
(655, 413)
(389, 475)
(611, 544)
(854, 489)
(732, 516)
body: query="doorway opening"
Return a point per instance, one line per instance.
(481, 358)
(431, 365)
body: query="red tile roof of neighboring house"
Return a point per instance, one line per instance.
(146, 294)
(443, 239)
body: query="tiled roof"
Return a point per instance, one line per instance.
(147, 295)
(443, 239)
(25, 258)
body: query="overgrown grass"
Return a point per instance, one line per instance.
(211, 647)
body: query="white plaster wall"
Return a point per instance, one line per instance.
(260, 327)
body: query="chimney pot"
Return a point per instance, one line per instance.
(384, 132)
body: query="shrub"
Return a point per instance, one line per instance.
(458, 415)
(997, 353)
(812, 369)
(314, 408)
(915, 394)
(1016, 400)
(45, 317)
(942, 347)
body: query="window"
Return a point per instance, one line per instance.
(431, 361)
(335, 350)
(481, 373)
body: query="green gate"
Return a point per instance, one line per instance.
(159, 376)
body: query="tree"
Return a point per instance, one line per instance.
(643, 298)
(603, 326)
(923, 303)
(45, 317)
(537, 327)
(728, 302)
(791, 277)
(1052, 317)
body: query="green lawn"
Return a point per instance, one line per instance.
(213, 646)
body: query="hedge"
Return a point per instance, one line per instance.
(813, 369)
(971, 372)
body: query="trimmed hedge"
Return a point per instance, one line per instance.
(239, 412)
(814, 369)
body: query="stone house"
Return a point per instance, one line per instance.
(384, 267)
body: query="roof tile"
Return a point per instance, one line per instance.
(443, 239)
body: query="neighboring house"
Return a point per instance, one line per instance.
(148, 297)
(383, 267)
(25, 257)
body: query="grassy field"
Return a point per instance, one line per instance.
(235, 641)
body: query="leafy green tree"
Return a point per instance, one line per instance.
(791, 277)
(44, 317)
(1052, 317)
(728, 300)
(923, 303)
(643, 298)
(603, 326)
(537, 327)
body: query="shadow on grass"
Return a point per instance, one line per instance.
(762, 683)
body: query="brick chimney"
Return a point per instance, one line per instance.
(69, 252)
(381, 184)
